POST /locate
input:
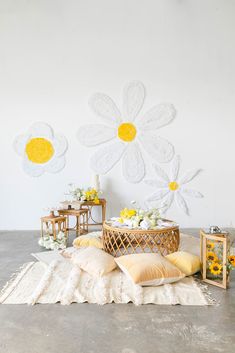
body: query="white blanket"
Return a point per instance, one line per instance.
(65, 283)
(55, 279)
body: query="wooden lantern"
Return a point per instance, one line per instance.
(215, 248)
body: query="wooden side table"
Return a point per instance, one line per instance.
(81, 215)
(89, 206)
(58, 223)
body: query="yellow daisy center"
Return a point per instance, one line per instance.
(39, 150)
(173, 186)
(127, 132)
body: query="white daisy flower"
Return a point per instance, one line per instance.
(173, 187)
(128, 133)
(41, 150)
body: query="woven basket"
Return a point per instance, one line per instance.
(123, 241)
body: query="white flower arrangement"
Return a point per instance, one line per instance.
(139, 218)
(49, 243)
(80, 194)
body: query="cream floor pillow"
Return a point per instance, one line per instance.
(186, 262)
(149, 269)
(94, 261)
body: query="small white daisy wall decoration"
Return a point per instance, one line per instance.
(129, 132)
(173, 187)
(41, 150)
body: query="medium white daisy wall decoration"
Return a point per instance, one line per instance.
(129, 133)
(173, 187)
(41, 150)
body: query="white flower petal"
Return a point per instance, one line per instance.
(104, 106)
(158, 195)
(19, 144)
(189, 176)
(167, 202)
(32, 169)
(41, 129)
(159, 116)
(55, 165)
(161, 174)
(158, 148)
(106, 157)
(175, 166)
(133, 99)
(180, 201)
(191, 193)
(133, 164)
(95, 134)
(60, 145)
(156, 183)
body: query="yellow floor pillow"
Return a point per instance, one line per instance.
(186, 262)
(91, 239)
(149, 269)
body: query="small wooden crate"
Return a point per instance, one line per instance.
(123, 241)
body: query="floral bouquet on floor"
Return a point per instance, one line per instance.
(48, 242)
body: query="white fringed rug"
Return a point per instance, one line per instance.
(62, 282)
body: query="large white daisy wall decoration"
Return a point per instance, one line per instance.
(129, 133)
(41, 150)
(173, 187)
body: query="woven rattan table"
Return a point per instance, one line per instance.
(122, 241)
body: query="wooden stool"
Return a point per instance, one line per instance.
(57, 223)
(81, 215)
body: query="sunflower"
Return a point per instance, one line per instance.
(215, 268)
(231, 260)
(210, 245)
(211, 256)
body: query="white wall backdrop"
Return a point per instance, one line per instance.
(55, 53)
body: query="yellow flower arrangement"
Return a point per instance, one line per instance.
(127, 213)
(92, 195)
(231, 260)
(215, 268)
(211, 256)
(210, 245)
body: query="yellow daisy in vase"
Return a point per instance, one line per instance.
(216, 268)
(231, 260)
(210, 245)
(211, 256)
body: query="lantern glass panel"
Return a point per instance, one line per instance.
(214, 260)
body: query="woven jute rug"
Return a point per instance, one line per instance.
(62, 282)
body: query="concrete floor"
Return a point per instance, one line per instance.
(87, 328)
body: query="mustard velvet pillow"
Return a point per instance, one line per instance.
(186, 262)
(149, 269)
(91, 239)
(94, 261)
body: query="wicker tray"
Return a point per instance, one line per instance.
(122, 241)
